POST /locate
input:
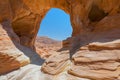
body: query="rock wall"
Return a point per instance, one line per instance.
(11, 57)
(93, 47)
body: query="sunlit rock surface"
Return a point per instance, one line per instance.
(32, 72)
(10, 56)
(93, 48)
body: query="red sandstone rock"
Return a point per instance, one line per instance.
(11, 57)
(94, 42)
(45, 47)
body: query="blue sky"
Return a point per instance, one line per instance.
(56, 25)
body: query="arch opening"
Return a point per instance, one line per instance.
(56, 25)
(54, 28)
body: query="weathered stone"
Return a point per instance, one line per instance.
(95, 37)
(98, 57)
(56, 63)
(10, 56)
(32, 72)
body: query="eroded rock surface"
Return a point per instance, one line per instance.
(10, 56)
(46, 47)
(99, 58)
(32, 72)
(94, 45)
(56, 63)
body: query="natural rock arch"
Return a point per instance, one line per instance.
(95, 35)
(28, 15)
(31, 20)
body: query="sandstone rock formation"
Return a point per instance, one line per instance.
(45, 46)
(94, 45)
(32, 72)
(10, 56)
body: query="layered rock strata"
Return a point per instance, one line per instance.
(11, 57)
(94, 45)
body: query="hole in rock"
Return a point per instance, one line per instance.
(54, 28)
(96, 14)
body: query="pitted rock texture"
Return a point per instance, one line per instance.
(94, 45)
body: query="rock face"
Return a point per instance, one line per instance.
(12, 54)
(93, 47)
(45, 46)
(10, 57)
(32, 72)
